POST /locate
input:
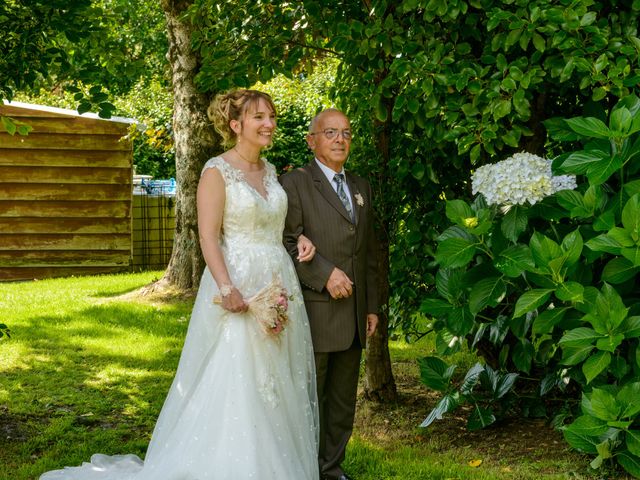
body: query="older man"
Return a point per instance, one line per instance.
(333, 208)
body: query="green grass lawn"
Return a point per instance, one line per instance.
(86, 371)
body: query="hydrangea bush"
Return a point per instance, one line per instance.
(539, 276)
(520, 179)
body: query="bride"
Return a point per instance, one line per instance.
(243, 402)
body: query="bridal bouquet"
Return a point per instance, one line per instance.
(269, 307)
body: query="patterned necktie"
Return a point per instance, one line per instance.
(339, 179)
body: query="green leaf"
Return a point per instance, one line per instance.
(605, 221)
(610, 342)
(619, 367)
(558, 129)
(458, 210)
(583, 442)
(609, 306)
(382, 112)
(9, 125)
(600, 173)
(504, 384)
(595, 365)
(582, 161)
(460, 321)
(486, 292)
(498, 330)
(418, 170)
(572, 246)
(480, 418)
(544, 249)
(604, 405)
(502, 109)
(84, 107)
(514, 260)
(570, 292)
(619, 270)
(514, 223)
(567, 70)
(631, 214)
(445, 405)
(620, 121)
(629, 398)
(538, 42)
(522, 356)
(548, 319)
(447, 343)
(630, 463)
(630, 327)
(455, 252)
(531, 300)
(435, 373)
(589, 127)
(598, 94)
(632, 188)
(633, 441)
(448, 283)
(632, 254)
(604, 243)
(570, 199)
(575, 355)
(622, 236)
(579, 337)
(589, 426)
(471, 379)
(435, 307)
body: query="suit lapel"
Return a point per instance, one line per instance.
(326, 190)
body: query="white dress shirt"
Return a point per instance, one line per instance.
(329, 173)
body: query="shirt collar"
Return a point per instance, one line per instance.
(329, 173)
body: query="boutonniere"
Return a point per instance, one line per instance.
(359, 199)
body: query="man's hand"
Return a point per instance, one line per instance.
(372, 324)
(339, 284)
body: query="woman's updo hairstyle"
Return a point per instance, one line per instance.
(233, 105)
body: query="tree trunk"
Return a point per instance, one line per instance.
(380, 385)
(195, 142)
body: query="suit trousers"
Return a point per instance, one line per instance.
(337, 378)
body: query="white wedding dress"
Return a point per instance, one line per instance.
(242, 405)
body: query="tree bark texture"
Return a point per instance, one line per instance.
(380, 385)
(195, 142)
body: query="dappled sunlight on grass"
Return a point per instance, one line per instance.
(85, 370)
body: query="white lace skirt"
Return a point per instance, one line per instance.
(242, 405)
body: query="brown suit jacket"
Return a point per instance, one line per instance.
(316, 211)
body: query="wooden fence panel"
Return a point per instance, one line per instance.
(118, 176)
(65, 158)
(65, 195)
(68, 209)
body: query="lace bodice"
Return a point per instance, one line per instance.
(248, 216)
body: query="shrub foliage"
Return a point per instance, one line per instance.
(548, 292)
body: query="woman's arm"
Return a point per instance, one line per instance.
(210, 201)
(306, 249)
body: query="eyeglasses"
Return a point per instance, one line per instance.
(330, 133)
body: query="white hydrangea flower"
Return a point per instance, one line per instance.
(521, 178)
